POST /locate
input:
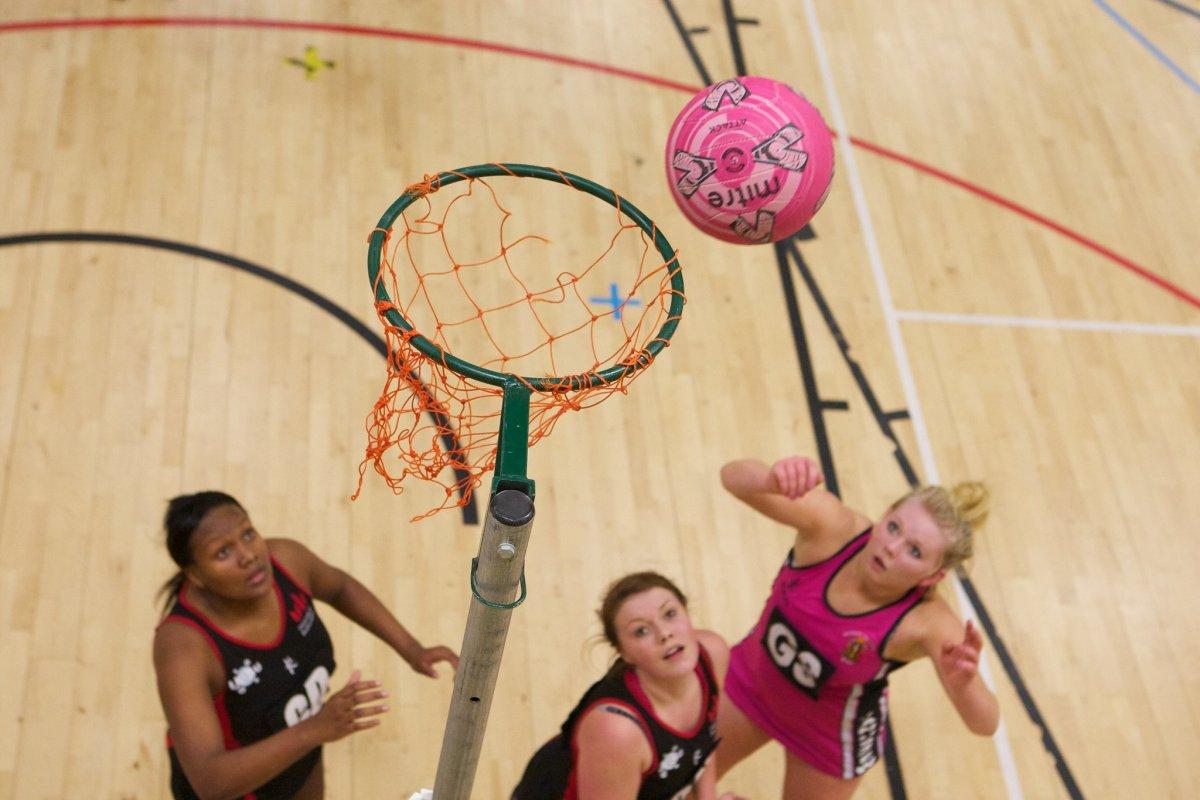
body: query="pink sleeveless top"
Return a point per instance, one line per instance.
(813, 678)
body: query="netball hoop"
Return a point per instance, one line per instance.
(446, 411)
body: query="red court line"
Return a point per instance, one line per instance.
(595, 66)
(1029, 214)
(331, 27)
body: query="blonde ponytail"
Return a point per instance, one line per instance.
(972, 501)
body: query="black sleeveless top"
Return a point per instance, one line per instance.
(268, 687)
(679, 756)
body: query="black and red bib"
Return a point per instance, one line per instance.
(679, 756)
(267, 687)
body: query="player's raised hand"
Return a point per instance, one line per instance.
(424, 660)
(348, 711)
(796, 476)
(960, 661)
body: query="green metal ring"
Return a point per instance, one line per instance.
(489, 603)
(539, 384)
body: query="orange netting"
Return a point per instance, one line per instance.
(478, 298)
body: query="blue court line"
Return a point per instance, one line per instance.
(1181, 7)
(1135, 33)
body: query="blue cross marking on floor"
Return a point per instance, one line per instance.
(616, 301)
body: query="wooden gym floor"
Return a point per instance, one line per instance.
(1007, 255)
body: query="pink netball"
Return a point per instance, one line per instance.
(749, 160)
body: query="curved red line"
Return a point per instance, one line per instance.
(595, 66)
(1016, 208)
(331, 27)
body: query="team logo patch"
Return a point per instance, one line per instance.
(299, 603)
(245, 676)
(857, 643)
(302, 613)
(670, 761)
(794, 656)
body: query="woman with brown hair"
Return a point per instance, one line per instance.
(647, 729)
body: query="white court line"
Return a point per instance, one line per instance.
(1043, 322)
(1008, 767)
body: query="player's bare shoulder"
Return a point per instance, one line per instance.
(929, 620)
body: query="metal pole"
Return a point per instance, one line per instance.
(495, 576)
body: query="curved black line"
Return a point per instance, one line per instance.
(470, 514)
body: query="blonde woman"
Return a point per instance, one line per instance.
(853, 601)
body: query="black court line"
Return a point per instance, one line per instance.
(807, 373)
(884, 420)
(732, 21)
(786, 253)
(1181, 7)
(697, 62)
(470, 514)
(1010, 666)
(817, 407)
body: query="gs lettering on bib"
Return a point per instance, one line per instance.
(794, 656)
(300, 707)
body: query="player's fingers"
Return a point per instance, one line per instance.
(799, 478)
(817, 477)
(779, 473)
(351, 684)
(351, 691)
(820, 474)
(370, 711)
(793, 479)
(443, 653)
(783, 471)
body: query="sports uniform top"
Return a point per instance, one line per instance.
(679, 756)
(268, 687)
(813, 678)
